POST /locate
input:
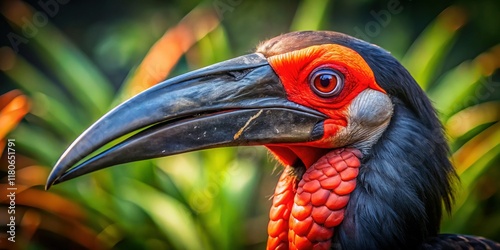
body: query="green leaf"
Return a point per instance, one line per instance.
(35, 142)
(426, 55)
(56, 115)
(76, 72)
(454, 89)
(214, 47)
(172, 217)
(465, 203)
(309, 15)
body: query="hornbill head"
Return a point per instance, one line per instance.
(365, 157)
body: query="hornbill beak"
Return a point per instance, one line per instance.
(233, 103)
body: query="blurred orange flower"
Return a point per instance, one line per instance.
(14, 105)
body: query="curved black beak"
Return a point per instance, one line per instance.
(237, 102)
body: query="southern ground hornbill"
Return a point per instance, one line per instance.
(365, 159)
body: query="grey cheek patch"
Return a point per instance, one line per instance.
(368, 115)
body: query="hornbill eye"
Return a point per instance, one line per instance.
(326, 82)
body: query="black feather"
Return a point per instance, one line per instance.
(401, 186)
(459, 242)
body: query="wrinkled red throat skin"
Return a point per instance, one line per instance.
(306, 211)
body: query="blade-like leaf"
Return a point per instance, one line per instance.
(167, 51)
(309, 15)
(37, 144)
(475, 149)
(470, 118)
(465, 203)
(426, 54)
(173, 218)
(463, 85)
(70, 65)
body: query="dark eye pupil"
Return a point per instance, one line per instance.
(325, 80)
(325, 83)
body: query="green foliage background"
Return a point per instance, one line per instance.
(73, 69)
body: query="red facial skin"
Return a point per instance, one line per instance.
(306, 210)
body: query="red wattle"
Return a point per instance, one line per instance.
(304, 216)
(279, 215)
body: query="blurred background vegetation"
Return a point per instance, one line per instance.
(65, 63)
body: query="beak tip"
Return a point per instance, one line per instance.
(52, 179)
(50, 182)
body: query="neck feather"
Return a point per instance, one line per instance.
(402, 185)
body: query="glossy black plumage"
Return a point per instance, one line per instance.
(397, 203)
(459, 242)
